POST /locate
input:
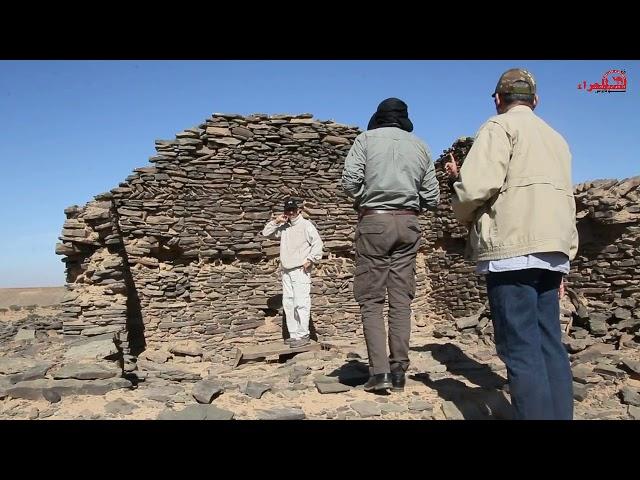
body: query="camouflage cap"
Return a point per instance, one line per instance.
(516, 80)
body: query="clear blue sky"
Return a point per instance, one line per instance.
(72, 129)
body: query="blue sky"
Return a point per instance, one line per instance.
(72, 129)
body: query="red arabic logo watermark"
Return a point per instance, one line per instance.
(612, 81)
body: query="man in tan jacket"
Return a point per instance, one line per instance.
(515, 193)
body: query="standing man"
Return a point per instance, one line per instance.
(300, 248)
(515, 191)
(390, 174)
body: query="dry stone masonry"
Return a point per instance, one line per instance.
(175, 252)
(605, 276)
(174, 256)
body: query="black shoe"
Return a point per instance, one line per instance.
(398, 381)
(382, 381)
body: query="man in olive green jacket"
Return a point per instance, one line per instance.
(515, 192)
(389, 173)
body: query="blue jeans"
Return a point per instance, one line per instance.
(526, 320)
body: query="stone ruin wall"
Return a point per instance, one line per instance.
(175, 251)
(604, 280)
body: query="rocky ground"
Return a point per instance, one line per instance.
(44, 376)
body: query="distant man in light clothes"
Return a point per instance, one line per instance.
(300, 249)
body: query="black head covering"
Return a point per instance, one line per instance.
(391, 112)
(290, 204)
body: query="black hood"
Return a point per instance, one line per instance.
(391, 112)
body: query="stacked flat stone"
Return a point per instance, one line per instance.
(606, 272)
(603, 286)
(456, 290)
(175, 252)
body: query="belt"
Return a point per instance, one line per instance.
(369, 211)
